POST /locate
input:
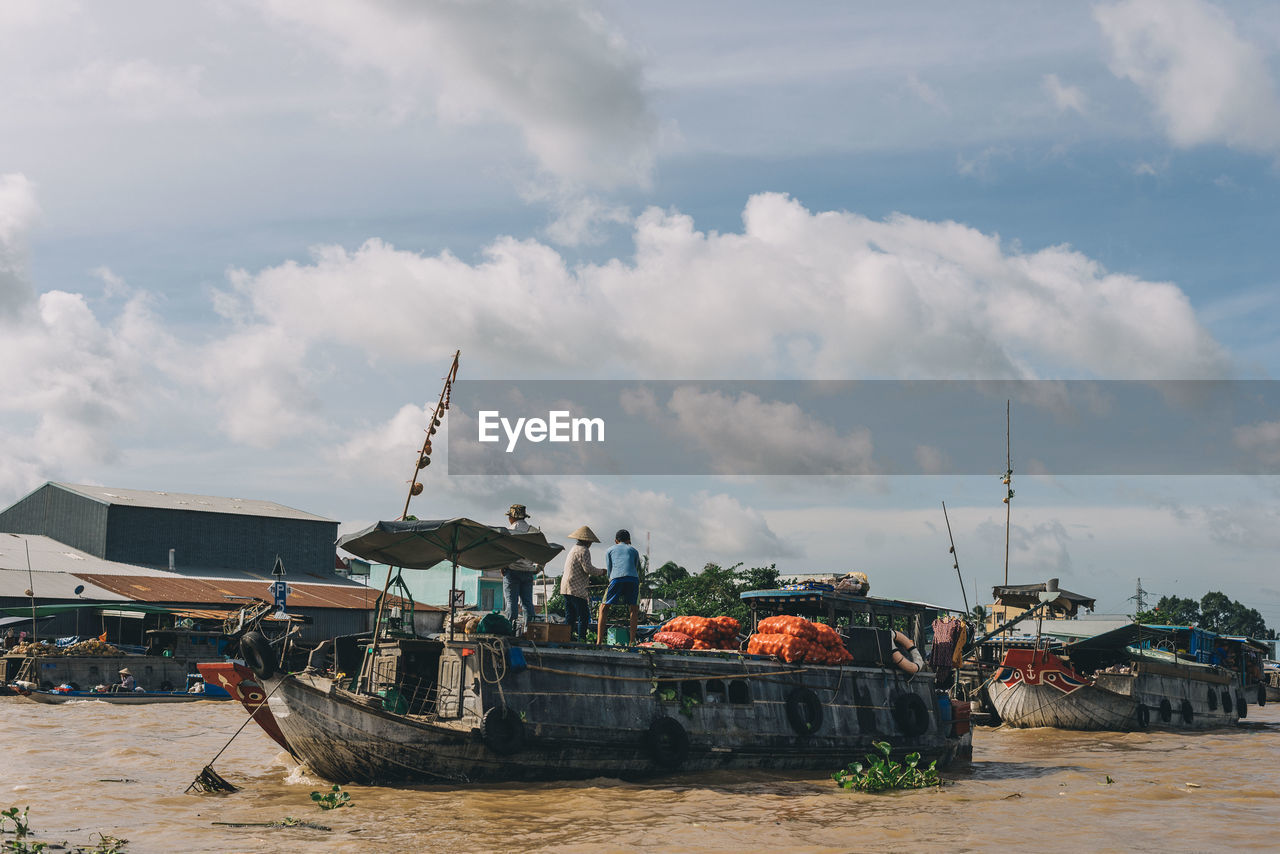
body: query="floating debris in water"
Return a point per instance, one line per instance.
(209, 782)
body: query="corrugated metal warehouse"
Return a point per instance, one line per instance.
(206, 533)
(113, 544)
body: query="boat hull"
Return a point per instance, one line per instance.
(591, 713)
(1180, 697)
(54, 698)
(240, 683)
(1034, 688)
(1087, 708)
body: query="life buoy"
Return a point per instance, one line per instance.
(1226, 702)
(502, 730)
(804, 711)
(911, 714)
(257, 653)
(1143, 716)
(906, 656)
(667, 742)
(1166, 710)
(1212, 696)
(1188, 713)
(1241, 706)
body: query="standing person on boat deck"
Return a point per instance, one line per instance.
(517, 578)
(623, 565)
(573, 584)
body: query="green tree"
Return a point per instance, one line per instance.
(662, 580)
(717, 590)
(761, 578)
(1215, 609)
(1174, 611)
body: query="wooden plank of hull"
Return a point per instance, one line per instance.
(579, 726)
(1087, 708)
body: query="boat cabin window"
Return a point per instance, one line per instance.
(692, 689)
(716, 691)
(739, 691)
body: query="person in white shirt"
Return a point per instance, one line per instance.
(517, 578)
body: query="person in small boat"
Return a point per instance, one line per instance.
(127, 682)
(517, 578)
(622, 562)
(573, 584)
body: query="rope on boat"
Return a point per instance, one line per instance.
(208, 781)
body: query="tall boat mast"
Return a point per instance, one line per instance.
(437, 416)
(1008, 482)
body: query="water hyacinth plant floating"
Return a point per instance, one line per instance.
(882, 774)
(332, 799)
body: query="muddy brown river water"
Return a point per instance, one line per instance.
(86, 768)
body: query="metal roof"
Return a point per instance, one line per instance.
(14, 583)
(186, 501)
(221, 591)
(49, 555)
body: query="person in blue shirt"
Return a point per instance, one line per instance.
(622, 563)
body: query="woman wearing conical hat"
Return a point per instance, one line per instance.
(573, 584)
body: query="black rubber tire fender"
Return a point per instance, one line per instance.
(1241, 706)
(1166, 710)
(1143, 716)
(502, 730)
(667, 742)
(866, 712)
(911, 714)
(1262, 694)
(258, 654)
(804, 711)
(1188, 712)
(1212, 696)
(1226, 702)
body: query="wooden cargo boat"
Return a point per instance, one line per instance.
(488, 708)
(1035, 688)
(1113, 682)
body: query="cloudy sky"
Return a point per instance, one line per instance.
(239, 243)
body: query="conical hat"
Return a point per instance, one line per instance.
(584, 533)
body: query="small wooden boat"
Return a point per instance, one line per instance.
(119, 698)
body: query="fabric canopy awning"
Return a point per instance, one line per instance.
(1028, 595)
(421, 544)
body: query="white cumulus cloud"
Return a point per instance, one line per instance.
(557, 71)
(1207, 83)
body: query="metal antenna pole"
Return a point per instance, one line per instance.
(955, 558)
(31, 589)
(1008, 482)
